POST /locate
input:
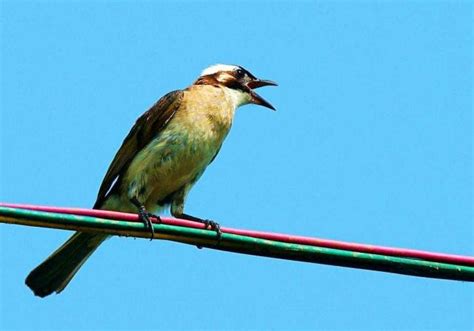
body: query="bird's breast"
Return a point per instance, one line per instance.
(180, 153)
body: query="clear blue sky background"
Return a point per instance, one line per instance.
(372, 142)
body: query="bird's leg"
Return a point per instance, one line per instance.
(144, 215)
(208, 223)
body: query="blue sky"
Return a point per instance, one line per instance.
(372, 142)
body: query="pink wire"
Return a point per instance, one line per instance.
(381, 250)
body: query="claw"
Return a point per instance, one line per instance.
(158, 218)
(145, 216)
(214, 226)
(207, 223)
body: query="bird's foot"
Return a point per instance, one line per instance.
(214, 226)
(158, 218)
(207, 223)
(145, 217)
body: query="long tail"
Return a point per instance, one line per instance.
(57, 270)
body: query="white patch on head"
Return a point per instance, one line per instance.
(218, 67)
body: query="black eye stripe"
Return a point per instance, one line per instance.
(235, 85)
(245, 72)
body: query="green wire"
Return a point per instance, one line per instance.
(242, 244)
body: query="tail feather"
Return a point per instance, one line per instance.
(57, 270)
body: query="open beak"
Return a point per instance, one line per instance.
(257, 99)
(256, 83)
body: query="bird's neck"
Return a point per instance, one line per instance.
(237, 97)
(210, 104)
(210, 84)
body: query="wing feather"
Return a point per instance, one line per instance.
(145, 129)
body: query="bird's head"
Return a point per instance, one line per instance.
(240, 81)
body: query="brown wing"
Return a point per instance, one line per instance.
(145, 129)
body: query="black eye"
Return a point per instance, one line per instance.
(240, 73)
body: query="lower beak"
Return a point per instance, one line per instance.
(257, 99)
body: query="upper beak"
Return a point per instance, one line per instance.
(256, 83)
(257, 99)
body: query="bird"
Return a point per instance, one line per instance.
(162, 157)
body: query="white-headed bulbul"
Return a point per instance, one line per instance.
(165, 153)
